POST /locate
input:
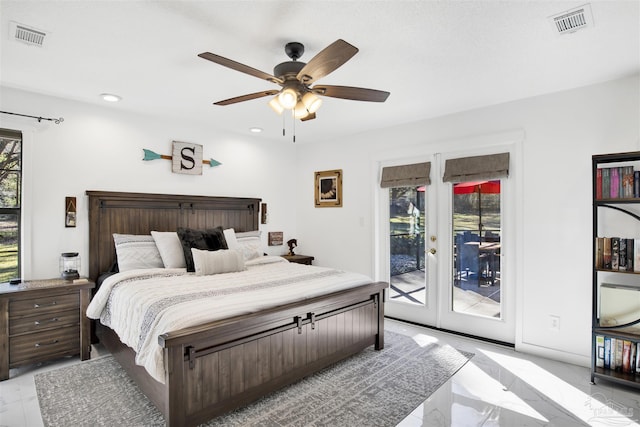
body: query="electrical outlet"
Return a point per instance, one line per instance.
(554, 322)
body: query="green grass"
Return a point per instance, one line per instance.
(8, 262)
(470, 221)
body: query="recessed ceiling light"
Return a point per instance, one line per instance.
(255, 130)
(109, 97)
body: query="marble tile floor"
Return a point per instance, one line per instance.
(497, 387)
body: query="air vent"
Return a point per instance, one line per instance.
(27, 35)
(572, 20)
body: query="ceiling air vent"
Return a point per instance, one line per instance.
(27, 35)
(572, 20)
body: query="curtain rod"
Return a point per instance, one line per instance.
(39, 119)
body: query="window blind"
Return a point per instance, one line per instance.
(11, 134)
(476, 168)
(406, 175)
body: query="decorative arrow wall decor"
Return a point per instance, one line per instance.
(186, 158)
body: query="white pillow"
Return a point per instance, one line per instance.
(170, 249)
(255, 233)
(230, 237)
(217, 262)
(247, 242)
(250, 247)
(136, 251)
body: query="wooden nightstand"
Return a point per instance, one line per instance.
(299, 259)
(42, 320)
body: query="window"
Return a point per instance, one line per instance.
(10, 203)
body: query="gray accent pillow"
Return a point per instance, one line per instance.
(217, 262)
(136, 251)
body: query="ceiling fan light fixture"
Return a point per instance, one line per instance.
(300, 111)
(288, 98)
(311, 102)
(275, 105)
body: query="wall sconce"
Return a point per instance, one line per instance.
(70, 212)
(263, 213)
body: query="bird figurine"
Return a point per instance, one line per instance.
(292, 244)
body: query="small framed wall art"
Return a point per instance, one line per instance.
(70, 212)
(328, 189)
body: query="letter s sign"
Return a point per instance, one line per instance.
(187, 158)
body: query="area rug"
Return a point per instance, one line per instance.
(373, 388)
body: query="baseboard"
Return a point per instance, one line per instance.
(449, 331)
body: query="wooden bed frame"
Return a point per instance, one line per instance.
(222, 365)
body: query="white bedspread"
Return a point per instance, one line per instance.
(140, 305)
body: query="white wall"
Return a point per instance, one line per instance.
(562, 131)
(100, 148)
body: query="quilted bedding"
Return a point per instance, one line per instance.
(140, 305)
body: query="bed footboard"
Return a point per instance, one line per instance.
(217, 368)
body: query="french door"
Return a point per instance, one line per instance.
(446, 253)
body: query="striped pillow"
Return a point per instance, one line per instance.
(217, 262)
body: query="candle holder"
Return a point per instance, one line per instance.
(70, 265)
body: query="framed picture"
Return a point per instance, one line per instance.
(328, 189)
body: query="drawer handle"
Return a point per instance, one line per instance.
(47, 343)
(44, 305)
(38, 322)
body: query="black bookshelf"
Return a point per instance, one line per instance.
(620, 204)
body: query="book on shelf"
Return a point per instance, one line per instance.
(618, 354)
(615, 252)
(627, 182)
(630, 253)
(606, 183)
(614, 182)
(637, 358)
(618, 182)
(606, 253)
(600, 351)
(607, 352)
(636, 255)
(599, 252)
(622, 254)
(626, 356)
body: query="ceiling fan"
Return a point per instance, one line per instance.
(296, 79)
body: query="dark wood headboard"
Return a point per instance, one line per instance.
(141, 213)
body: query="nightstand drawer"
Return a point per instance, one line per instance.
(32, 348)
(45, 304)
(44, 321)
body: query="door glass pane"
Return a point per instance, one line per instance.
(9, 237)
(407, 231)
(476, 248)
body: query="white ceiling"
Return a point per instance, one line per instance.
(435, 57)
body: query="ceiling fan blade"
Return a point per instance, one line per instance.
(240, 67)
(308, 117)
(247, 97)
(326, 61)
(353, 93)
